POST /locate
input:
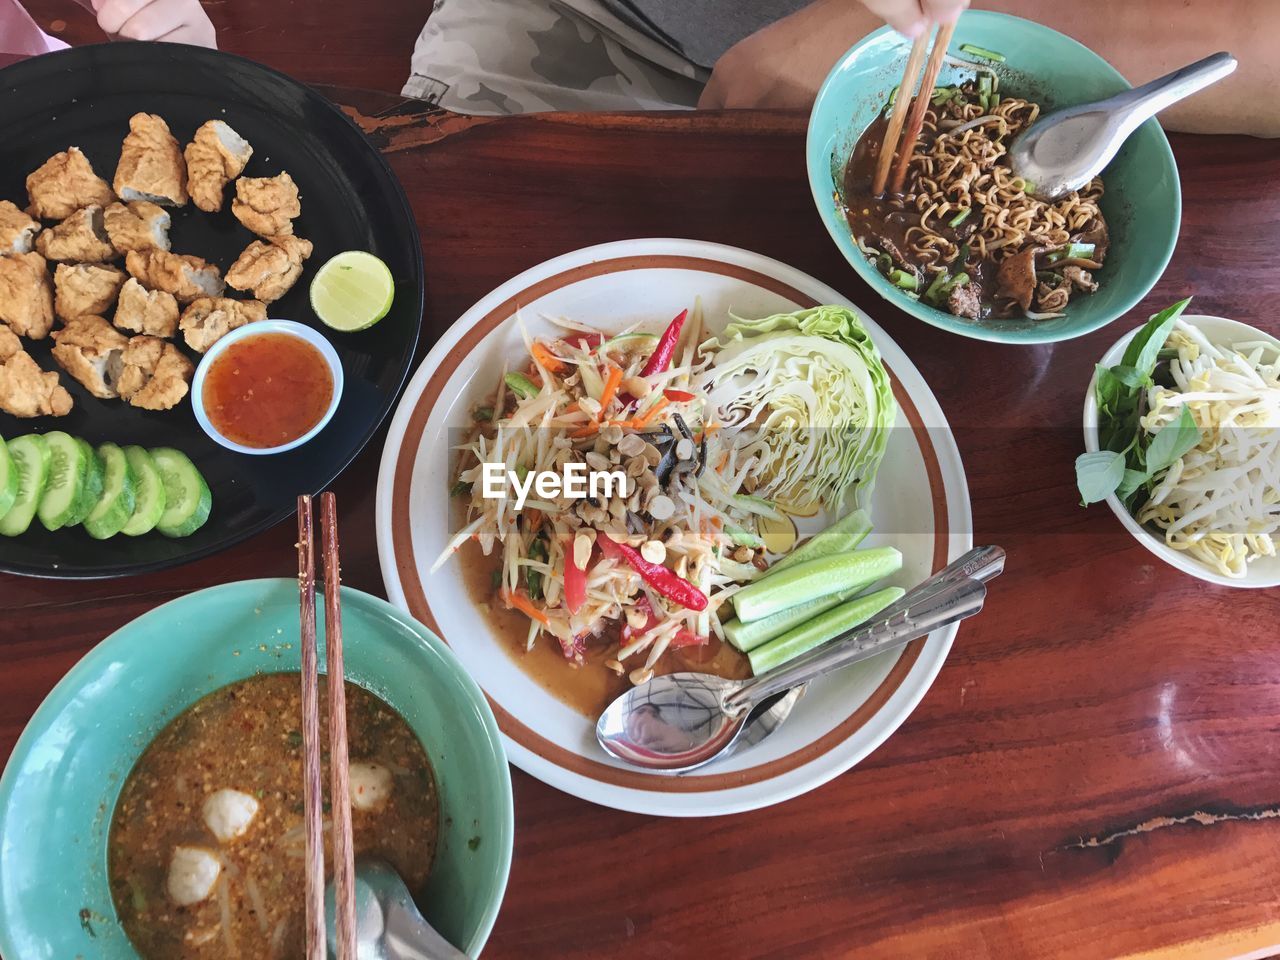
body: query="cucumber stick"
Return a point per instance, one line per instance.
(62, 503)
(748, 636)
(186, 495)
(115, 503)
(812, 579)
(821, 629)
(843, 536)
(148, 493)
(30, 457)
(8, 479)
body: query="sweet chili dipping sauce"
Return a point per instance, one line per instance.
(267, 389)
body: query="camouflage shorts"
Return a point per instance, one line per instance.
(527, 56)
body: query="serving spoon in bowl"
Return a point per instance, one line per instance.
(681, 721)
(1065, 149)
(388, 923)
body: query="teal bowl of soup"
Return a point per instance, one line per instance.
(62, 788)
(1141, 202)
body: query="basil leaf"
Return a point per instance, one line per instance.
(1171, 442)
(1098, 475)
(1131, 377)
(1129, 483)
(1109, 391)
(1144, 349)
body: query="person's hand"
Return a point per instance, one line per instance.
(174, 21)
(910, 17)
(783, 65)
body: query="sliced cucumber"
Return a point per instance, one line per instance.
(8, 479)
(843, 536)
(148, 493)
(821, 629)
(60, 505)
(814, 578)
(187, 497)
(93, 483)
(115, 506)
(30, 455)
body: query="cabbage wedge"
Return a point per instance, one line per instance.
(809, 399)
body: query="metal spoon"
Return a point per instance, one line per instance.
(1065, 149)
(681, 721)
(388, 924)
(765, 717)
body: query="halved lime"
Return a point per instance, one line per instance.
(352, 291)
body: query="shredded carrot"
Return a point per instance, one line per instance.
(525, 606)
(591, 429)
(544, 357)
(571, 408)
(645, 418)
(611, 381)
(724, 462)
(717, 522)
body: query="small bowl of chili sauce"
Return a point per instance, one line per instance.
(267, 387)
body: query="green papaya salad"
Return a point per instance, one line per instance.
(720, 441)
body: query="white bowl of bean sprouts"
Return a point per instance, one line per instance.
(1215, 513)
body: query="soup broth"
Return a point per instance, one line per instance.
(246, 738)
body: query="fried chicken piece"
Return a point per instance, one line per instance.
(151, 165)
(138, 225)
(17, 230)
(80, 238)
(209, 319)
(26, 295)
(90, 349)
(269, 269)
(63, 184)
(187, 278)
(85, 288)
(25, 389)
(215, 157)
(139, 310)
(267, 205)
(155, 375)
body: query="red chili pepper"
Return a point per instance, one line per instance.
(678, 396)
(660, 359)
(575, 582)
(655, 574)
(587, 340)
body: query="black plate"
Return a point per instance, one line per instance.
(350, 200)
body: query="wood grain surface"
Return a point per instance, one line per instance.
(1094, 772)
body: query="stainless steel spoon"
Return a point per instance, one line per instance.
(388, 924)
(1065, 149)
(680, 721)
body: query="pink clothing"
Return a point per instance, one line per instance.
(19, 35)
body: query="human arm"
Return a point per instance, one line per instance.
(784, 64)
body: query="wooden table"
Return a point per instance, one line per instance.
(1094, 773)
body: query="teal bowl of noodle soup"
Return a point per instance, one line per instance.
(1142, 202)
(64, 778)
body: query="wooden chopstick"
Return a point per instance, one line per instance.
(313, 854)
(899, 112)
(915, 120)
(339, 789)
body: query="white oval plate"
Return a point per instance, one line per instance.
(921, 506)
(1264, 572)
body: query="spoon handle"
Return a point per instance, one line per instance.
(933, 608)
(1142, 103)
